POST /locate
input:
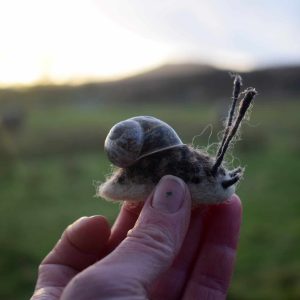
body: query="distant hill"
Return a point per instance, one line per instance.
(169, 83)
(173, 71)
(193, 82)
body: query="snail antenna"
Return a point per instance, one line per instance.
(243, 107)
(237, 84)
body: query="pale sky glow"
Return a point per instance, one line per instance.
(77, 40)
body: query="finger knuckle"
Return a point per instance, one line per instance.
(156, 238)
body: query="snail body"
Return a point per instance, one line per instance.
(135, 183)
(144, 149)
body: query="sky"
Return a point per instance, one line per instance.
(63, 41)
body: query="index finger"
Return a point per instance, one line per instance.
(213, 269)
(125, 221)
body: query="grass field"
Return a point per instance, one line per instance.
(45, 184)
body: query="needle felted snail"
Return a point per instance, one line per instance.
(145, 149)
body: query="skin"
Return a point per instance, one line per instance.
(163, 250)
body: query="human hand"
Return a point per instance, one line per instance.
(170, 252)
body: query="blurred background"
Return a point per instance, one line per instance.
(69, 70)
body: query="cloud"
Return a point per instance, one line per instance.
(260, 31)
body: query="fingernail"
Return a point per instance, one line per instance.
(169, 194)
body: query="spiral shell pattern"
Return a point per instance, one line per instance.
(132, 139)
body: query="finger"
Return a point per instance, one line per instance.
(81, 245)
(213, 269)
(149, 248)
(124, 222)
(171, 284)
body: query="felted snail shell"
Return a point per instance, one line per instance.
(135, 138)
(145, 149)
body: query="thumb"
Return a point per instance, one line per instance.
(151, 246)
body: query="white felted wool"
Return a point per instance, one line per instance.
(206, 194)
(200, 193)
(112, 190)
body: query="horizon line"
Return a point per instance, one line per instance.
(78, 80)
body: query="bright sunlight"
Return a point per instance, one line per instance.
(61, 41)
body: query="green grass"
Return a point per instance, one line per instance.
(268, 264)
(39, 200)
(41, 195)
